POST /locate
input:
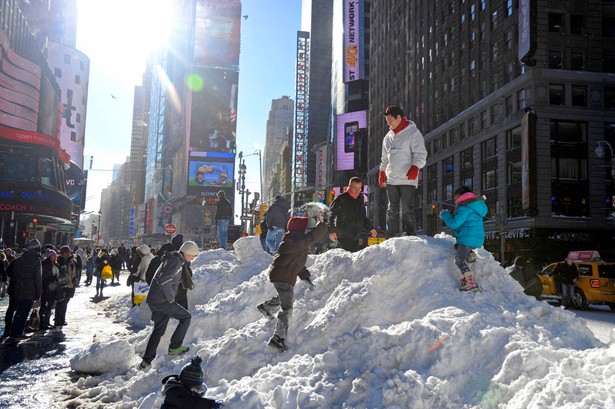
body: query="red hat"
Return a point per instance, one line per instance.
(297, 223)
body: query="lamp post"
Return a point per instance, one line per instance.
(241, 186)
(600, 152)
(98, 232)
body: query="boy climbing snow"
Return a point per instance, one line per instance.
(467, 225)
(186, 389)
(287, 264)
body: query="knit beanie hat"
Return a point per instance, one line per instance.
(34, 244)
(65, 249)
(144, 249)
(297, 223)
(177, 241)
(191, 374)
(189, 248)
(50, 252)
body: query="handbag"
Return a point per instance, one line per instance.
(106, 273)
(140, 290)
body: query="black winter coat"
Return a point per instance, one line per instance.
(177, 396)
(224, 210)
(26, 276)
(348, 217)
(567, 273)
(277, 215)
(289, 261)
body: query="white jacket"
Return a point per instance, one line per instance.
(143, 265)
(400, 152)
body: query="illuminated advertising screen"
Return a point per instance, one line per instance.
(353, 41)
(210, 172)
(217, 33)
(213, 116)
(347, 126)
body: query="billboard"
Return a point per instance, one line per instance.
(347, 126)
(527, 30)
(213, 111)
(302, 98)
(354, 59)
(210, 172)
(217, 33)
(321, 166)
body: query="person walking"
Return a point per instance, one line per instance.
(25, 287)
(288, 264)
(348, 218)
(224, 213)
(50, 273)
(467, 225)
(162, 302)
(277, 219)
(403, 155)
(101, 261)
(115, 261)
(67, 280)
(90, 265)
(567, 274)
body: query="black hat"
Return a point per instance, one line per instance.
(394, 111)
(191, 374)
(177, 241)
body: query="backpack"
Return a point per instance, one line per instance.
(151, 269)
(63, 276)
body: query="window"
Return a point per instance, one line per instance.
(514, 172)
(66, 59)
(556, 23)
(471, 126)
(467, 160)
(46, 170)
(482, 28)
(448, 193)
(489, 149)
(453, 136)
(472, 12)
(569, 168)
(577, 60)
(490, 179)
(513, 138)
(78, 118)
(494, 113)
(77, 79)
(579, 95)
(509, 40)
(568, 132)
(462, 131)
(509, 105)
(494, 51)
(448, 165)
(520, 100)
(609, 97)
(556, 94)
(494, 20)
(555, 59)
(57, 72)
(484, 119)
(608, 62)
(509, 8)
(577, 24)
(81, 65)
(469, 182)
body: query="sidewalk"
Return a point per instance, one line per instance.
(36, 372)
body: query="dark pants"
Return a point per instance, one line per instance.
(281, 306)
(10, 314)
(160, 315)
(61, 306)
(405, 195)
(349, 244)
(22, 310)
(47, 300)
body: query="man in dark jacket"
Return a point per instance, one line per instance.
(348, 218)
(162, 302)
(287, 265)
(277, 218)
(568, 274)
(25, 287)
(224, 214)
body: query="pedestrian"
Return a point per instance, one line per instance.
(91, 265)
(145, 257)
(186, 390)
(288, 264)
(115, 261)
(80, 260)
(101, 261)
(567, 274)
(348, 218)
(125, 255)
(50, 273)
(224, 213)
(277, 219)
(468, 228)
(162, 302)
(403, 155)
(67, 279)
(25, 287)
(263, 234)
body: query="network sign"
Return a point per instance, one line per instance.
(354, 59)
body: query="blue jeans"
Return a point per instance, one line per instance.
(567, 294)
(223, 233)
(461, 255)
(274, 238)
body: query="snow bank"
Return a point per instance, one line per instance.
(385, 327)
(101, 358)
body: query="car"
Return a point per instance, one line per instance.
(596, 283)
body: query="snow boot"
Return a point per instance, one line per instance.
(470, 285)
(462, 281)
(144, 366)
(277, 342)
(180, 350)
(471, 258)
(261, 308)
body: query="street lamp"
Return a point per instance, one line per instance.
(99, 228)
(241, 186)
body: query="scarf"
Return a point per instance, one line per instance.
(404, 123)
(187, 282)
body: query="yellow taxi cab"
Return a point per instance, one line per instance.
(596, 283)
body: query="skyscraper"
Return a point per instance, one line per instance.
(280, 119)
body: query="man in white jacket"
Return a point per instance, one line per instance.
(403, 155)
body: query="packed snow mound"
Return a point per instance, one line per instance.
(101, 358)
(386, 327)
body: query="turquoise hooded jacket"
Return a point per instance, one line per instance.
(467, 222)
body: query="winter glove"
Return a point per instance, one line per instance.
(442, 212)
(382, 179)
(413, 173)
(310, 284)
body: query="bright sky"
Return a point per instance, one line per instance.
(117, 44)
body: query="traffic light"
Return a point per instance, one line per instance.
(331, 195)
(433, 208)
(35, 220)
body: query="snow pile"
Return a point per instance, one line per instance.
(385, 327)
(101, 358)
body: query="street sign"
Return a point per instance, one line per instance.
(170, 229)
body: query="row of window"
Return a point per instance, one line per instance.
(576, 24)
(578, 95)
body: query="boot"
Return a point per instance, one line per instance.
(470, 285)
(277, 342)
(261, 308)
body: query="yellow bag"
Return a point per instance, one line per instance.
(140, 292)
(106, 273)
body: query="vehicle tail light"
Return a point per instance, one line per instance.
(594, 283)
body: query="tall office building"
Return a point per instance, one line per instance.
(515, 100)
(280, 119)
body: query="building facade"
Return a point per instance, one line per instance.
(280, 119)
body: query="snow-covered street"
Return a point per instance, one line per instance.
(385, 328)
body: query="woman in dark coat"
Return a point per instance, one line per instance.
(101, 261)
(51, 271)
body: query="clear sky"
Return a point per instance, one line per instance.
(117, 35)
